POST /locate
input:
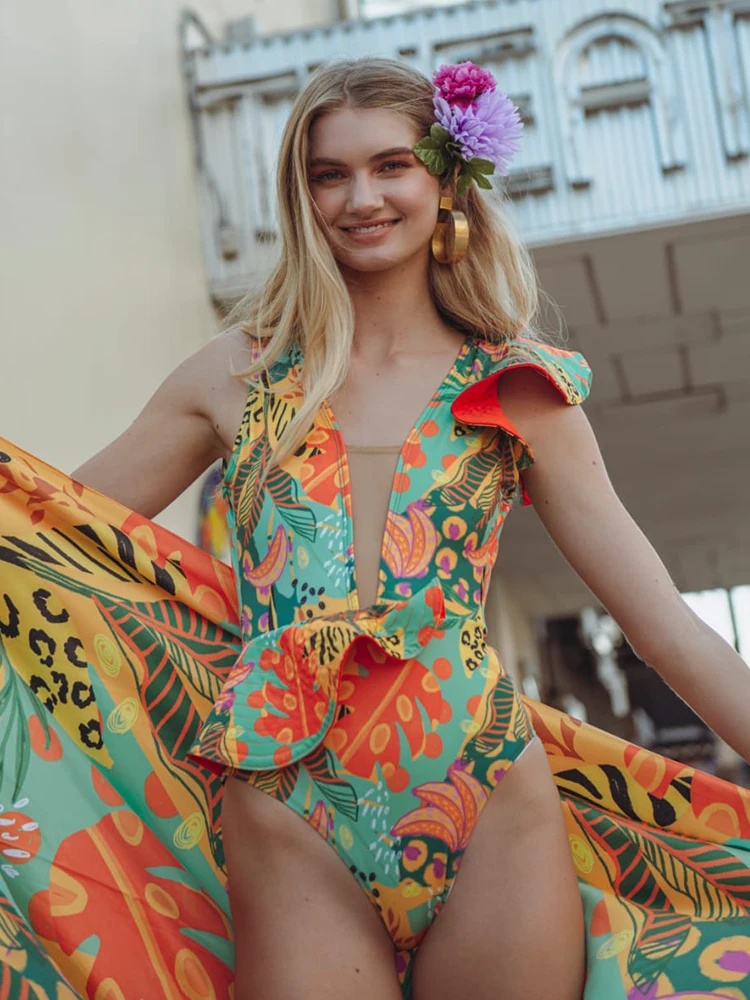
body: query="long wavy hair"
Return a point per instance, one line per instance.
(492, 294)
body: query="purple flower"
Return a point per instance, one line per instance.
(461, 83)
(490, 128)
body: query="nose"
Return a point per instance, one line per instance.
(364, 195)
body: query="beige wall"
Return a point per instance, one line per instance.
(510, 630)
(102, 287)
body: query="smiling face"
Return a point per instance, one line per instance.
(378, 202)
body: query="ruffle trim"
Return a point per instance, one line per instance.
(281, 698)
(479, 404)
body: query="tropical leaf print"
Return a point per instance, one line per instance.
(558, 732)
(321, 819)
(301, 675)
(284, 492)
(130, 890)
(14, 934)
(410, 542)
(449, 809)
(281, 404)
(658, 938)
(172, 646)
(247, 498)
(25, 973)
(669, 879)
(15, 701)
(402, 698)
(321, 468)
(321, 767)
(270, 568)
(475, 478)
(713, 883)
(279, 783)
(169, 637)
(504, 719)
(273, 415)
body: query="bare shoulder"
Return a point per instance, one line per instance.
(213, 364)
(231, 351)
(211, 377)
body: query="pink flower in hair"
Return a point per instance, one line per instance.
(477, 130)
(461, 83)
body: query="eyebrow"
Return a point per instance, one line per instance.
(395, 151)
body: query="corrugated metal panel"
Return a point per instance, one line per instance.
(634, 119)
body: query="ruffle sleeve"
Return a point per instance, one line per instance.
(479, 404)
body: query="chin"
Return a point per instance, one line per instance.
(369, 266)
(371, 263)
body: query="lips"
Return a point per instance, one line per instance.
(370, 227)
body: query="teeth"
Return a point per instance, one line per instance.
(370, 229)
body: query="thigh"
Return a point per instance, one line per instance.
(512, 927)
(302, 925)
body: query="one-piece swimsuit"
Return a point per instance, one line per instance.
(386, 726)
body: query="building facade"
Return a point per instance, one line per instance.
(102, 283)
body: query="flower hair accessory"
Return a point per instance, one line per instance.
(477, 127)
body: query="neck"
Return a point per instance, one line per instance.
(394, 310)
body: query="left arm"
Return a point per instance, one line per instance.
(574, 498)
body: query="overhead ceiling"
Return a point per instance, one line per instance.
(663, 318)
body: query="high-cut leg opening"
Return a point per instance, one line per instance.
(362, 878)
(495, 791)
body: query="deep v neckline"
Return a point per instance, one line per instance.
(394, 495)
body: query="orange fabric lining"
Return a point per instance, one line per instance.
(480, 405)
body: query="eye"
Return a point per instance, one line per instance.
(327, 175)
(392, 165)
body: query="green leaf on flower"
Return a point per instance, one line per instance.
(464, 181)
(439, 133)
(434, 159)
(482, 182)
(427, 143)
(479, 166)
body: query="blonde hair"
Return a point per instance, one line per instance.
(492, 294)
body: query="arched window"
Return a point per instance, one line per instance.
(609, 63)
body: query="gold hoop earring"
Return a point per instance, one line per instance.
(450, 241)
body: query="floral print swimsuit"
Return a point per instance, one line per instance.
(385, 727)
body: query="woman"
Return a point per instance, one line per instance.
(365, 721)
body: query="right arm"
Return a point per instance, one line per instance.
(187, 424)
